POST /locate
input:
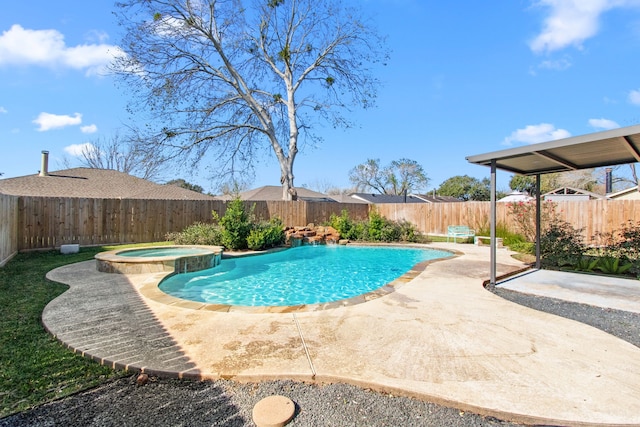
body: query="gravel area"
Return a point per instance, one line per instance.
(163, 402)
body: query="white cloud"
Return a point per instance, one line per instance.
(559, 65)
(533, 134)
(571, 22)
(76, 150)
(604, 124)
(48, 121)
(3, 110)
(634, 97)
(89, 129)
(47, 48)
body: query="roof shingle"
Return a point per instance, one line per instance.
(95, 184)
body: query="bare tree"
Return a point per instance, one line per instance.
(623, 176)
(122, 155)
(406, 175)
(369, 176)
(230, 77)
(233, 186)
(398, 177)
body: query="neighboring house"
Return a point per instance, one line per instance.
(516, 196)
(628, 194)
(386, 198)
(346, 198)
(94, 184)
(571, 194)
(437, 199)
(274, 193)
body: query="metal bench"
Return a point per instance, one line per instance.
(459, 231)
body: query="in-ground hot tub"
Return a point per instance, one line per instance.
(155, 259)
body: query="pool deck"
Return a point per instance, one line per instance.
(441, 337)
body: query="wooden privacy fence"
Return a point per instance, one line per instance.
(592, 216)
(48, 222)
(8, 228)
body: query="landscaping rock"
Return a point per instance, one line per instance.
(315, 235)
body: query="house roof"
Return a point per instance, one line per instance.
(574, 191)
(386, 198)
(95, 184)
(623, 192)
(274, 193)
(437, 199)
(516, 196)
(346, 198)
(608, 148)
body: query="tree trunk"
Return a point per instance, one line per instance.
(289, 192)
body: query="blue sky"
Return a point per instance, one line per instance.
(464, 78)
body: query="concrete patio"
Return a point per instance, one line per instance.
(441, 337)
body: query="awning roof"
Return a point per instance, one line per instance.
(608, 148)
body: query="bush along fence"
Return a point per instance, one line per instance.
(28, 223)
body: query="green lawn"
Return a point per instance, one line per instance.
(34, 367)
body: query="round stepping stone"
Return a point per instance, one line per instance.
(273, 411)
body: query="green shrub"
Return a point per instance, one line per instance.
(344, 225)
(522, 247)
(375, 229)
(561, 245)
(198, 233)
(236, 225)
(611, 265)
(628, 245)
(266, 235)
(586, 263)
(408, 232)
(509, 238)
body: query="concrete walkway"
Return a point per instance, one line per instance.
(440, 337)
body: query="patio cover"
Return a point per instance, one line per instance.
(608, 148)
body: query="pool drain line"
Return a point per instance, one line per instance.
(304, 345)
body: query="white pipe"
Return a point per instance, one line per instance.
(44, 169)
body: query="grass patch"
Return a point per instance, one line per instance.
(526, 258)
(34, 367)
(437, 238)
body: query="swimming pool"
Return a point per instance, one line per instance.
(298, 276)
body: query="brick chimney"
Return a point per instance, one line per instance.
(44, 169)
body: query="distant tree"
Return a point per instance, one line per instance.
(233, 187)
(522, 183)
(234, 77)
(400, 176)
(581, 179)
(369, 176)
(466, 188)
(584, 179)
(124, 155)
(184, 184)
(327, 187)
(406, 176)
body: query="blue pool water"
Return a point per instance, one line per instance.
(302, 275)
(160, 252)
